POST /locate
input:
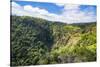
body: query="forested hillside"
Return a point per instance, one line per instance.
(36, 41)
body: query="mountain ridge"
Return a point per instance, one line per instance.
(47, 42)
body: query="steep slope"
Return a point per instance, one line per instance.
(38, 41)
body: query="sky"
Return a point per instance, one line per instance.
(61, 12)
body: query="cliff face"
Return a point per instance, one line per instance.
(37, 41)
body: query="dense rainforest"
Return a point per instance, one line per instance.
(35, 41)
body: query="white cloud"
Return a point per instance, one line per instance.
(35, 9)
(70, 14)
(71, 7)
(15, 5)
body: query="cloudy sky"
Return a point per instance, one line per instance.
(67, 13)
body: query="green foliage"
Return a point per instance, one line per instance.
(35, 41)
(71, 28)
